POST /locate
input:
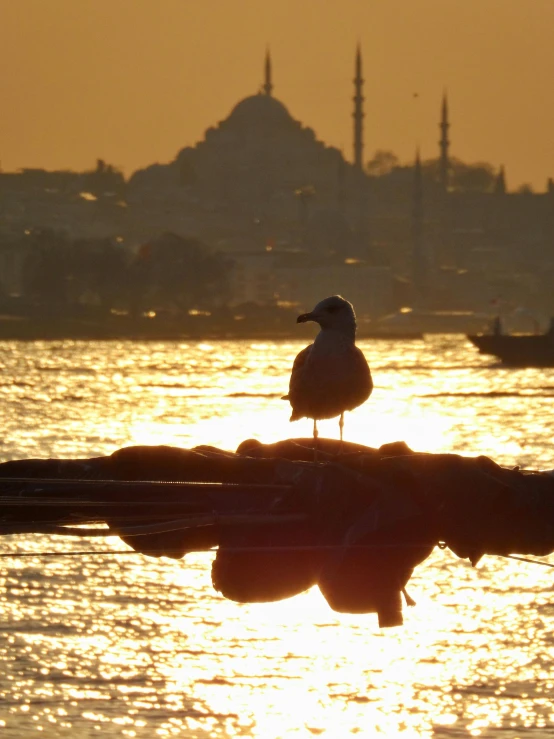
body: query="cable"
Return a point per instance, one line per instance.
(15, 555)
(526, 559)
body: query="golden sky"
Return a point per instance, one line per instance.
(133, 81)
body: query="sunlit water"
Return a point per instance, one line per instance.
(129, 646)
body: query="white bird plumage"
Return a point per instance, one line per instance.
(331, 375)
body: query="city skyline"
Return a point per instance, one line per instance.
(132, 85)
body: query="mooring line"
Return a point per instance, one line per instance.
(228, 549)
(201, 485)
(526, 559)
(14, 555)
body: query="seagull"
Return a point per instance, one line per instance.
(331, 375)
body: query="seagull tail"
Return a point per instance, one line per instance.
(285, 397)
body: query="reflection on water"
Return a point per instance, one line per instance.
(129, 646)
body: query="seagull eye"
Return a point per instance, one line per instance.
(333, 308)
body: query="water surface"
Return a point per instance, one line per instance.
(125, 646)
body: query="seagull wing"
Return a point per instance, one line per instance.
(297, 377)
(324, 384)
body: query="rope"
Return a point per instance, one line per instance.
(275, 549)
(164, 527)
(76, 503)
(15, 555)
(125, 552)
(526, 559)
(154, 484)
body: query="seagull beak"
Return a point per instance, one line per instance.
(305, 317)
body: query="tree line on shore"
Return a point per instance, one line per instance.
(169, 273)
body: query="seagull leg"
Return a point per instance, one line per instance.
(341, 427)
(316, 434)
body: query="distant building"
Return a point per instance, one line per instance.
(298, 219)
(259, 171)
(292, 278)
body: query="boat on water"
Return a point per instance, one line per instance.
(517, 350)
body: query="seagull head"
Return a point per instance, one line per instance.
(334, 313)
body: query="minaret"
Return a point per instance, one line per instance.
(444, 143)
(500, 182)
(268, 84)
(358, 113)
(420, 266)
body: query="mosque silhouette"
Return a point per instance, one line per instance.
(262, 179)
(299, 219)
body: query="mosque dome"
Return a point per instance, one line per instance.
(260, 109)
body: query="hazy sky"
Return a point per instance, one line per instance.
(133, 81)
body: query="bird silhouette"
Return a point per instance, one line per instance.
(331, 375)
